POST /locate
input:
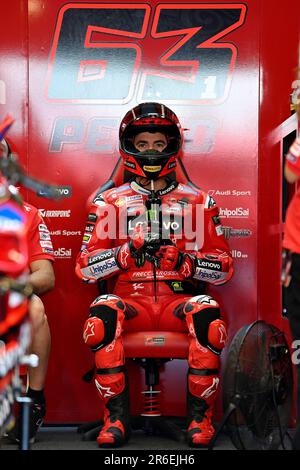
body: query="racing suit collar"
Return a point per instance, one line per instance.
(171, 185)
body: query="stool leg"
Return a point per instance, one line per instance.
(25, 403)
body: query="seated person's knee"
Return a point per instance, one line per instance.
(37, 313)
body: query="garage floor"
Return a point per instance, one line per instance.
(67, 438)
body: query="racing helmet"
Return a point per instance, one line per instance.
(151, 118)
(13, 227)
(13, 241)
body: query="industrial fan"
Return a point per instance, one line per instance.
(258, 387)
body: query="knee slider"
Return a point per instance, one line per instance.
(217, 334)
(100, 327)
(93, 332)
(204, 311)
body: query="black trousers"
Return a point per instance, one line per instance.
(293, 314)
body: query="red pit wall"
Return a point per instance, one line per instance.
(68, 131)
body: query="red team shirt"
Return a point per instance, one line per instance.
(292, 225)
(38, 236)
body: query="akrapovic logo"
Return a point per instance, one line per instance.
(238, 212)
(51, 213)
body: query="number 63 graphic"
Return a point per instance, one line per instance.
(112, 53)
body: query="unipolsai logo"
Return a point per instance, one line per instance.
(63, 253)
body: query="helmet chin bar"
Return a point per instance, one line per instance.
(151, 162)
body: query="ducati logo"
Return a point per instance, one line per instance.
(105, 392)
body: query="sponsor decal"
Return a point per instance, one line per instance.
(89, 228)
(167, 190)
(229, 192)
(171, 165)
(120, 202)
(137, 188)
(65, 233)
(159, 274)
(43, 228)
(238, 212)
(62, 191)
(63, 252)
(208, 275)
(177, 286)
(238, 254)
(152, 168)
(48, 250)
(154, 340)
(138, 285)
(46, 244)
(55, 213)
(101, 257)
(236, 232)
(216, 219)
(211, 389)
(219, 230)
(86, 238)
(45, 236)
(123, 255)
(69, 233)
(215, 265)
(130, 164)
(89, 331)
(205, 274)
(106, 267)
(205, 299)
(135, 200)
(105, 392)
(92, 217)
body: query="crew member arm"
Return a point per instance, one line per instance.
(292, 162)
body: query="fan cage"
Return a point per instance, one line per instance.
(258, 380)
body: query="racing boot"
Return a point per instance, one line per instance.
(200, 398)
(114, 391)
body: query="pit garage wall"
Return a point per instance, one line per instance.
(229, 103)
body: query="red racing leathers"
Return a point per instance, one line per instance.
(194, 252)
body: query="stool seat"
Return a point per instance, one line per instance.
(156, 344)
